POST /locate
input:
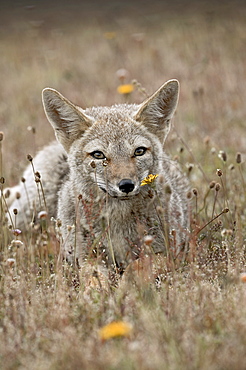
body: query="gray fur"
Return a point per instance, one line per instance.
(97, 218)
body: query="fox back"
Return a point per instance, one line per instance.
(100, 186)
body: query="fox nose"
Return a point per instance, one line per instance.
(126, 185)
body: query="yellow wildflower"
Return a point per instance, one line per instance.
(148, 180)
(115, 329)
(125, 89)
(109, 35)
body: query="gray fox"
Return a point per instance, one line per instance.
(93, 179)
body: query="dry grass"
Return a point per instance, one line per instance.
(195, 318)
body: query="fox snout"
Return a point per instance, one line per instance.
(126, 186)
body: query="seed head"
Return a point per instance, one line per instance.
(189, 195)
(195, 192)
(42, 215)
(238, 158)
(226, 210)
(122, 74)
(17, 195)
(217, 187)
(7, 193)
(206, 140)
(222, 155)
(31, 128)
(148, 240)
(69, 228)
(212, 184)
(16, 232)
(190, 166)
(226, 232)
(219, 172)
(29, 157)
(23, 179)
(173, 232)
(16, 243)
(2, 180)
(15, 211)
(10, 262)
(1, 136)
(58, 223)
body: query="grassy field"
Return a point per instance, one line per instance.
(183, 314)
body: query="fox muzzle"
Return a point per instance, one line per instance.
(126, 186)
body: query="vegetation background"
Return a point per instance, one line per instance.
(196, 317)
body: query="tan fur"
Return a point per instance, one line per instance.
(92, 181)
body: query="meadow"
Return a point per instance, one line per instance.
(184, 313)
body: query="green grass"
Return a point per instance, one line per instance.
(50, 314)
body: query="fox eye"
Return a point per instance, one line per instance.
(140, 151)
(97, 154)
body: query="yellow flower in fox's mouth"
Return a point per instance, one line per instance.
(125, 89)
(115, 329)
(149, 179)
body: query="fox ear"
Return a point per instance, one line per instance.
(155, 112)
(66, 119)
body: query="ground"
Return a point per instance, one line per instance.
(187, 313)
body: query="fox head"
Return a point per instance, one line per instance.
(113, 148)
